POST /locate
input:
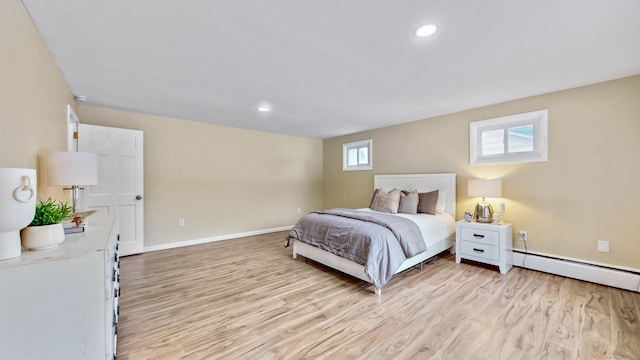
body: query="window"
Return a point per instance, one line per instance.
(357, 156)
(509, 139)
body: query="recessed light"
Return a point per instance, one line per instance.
(426, 30)
(264, 109)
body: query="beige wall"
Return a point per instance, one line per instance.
(220, 180)
(33, 96)
(587, 191)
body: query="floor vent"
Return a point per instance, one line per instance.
(622, 279)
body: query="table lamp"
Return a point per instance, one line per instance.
(484, 188)
(72, 169)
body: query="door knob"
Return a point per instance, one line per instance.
(138, 197)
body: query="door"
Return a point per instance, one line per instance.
(120, 180)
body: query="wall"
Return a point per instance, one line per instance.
(587, 191)
(220, 180)
(33, 96)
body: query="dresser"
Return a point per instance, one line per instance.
(486, 243)
(62, 303)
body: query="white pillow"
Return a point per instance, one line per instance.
(441, 204)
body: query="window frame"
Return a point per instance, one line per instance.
(539, 121)
(357, 145)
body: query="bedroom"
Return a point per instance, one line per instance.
(583, 194)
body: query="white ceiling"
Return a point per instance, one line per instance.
(329, 67)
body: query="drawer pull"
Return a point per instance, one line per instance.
(478, 250)
(478, 236)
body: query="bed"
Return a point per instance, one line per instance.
(436, 241)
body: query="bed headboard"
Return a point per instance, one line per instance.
(445, 183)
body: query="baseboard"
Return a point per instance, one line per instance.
(619, 278)
(215, 238)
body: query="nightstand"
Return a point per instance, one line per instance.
(487, 243)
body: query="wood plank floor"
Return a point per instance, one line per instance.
(248, 299)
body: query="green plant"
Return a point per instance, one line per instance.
(48, 212)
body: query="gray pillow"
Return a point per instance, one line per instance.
(387, 201)
(374, 199)
(409, 202)
(427, 202)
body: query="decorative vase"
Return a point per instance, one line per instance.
(42, 237)
(17, 208)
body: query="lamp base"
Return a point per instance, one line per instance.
(483, 213)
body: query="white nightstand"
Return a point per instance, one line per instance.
(487, 243)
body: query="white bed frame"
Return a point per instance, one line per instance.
(422, 183)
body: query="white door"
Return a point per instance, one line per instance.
(120, 180)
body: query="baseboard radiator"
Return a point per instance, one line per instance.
(623, 279)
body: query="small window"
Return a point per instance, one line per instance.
(509, 139)
(357, 156)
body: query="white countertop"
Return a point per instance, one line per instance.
(94, 238)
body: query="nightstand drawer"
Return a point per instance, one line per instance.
(480, 250)
(480, 236)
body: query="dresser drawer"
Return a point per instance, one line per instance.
(483, 236)
(483, 251)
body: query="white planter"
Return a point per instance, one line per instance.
(42, 237)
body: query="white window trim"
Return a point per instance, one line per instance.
(357, 144)
(538, 119)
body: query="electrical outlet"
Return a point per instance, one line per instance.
(603, 246)
(180, 222)
(299, 210)
(524, 236)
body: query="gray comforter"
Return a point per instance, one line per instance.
(380, 242)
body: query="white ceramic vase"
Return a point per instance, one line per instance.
(17, 208)
(42, 237)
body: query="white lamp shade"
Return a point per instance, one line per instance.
(67, 168)
(485, 188)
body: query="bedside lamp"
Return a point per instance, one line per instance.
(484, 188)
(72, 169)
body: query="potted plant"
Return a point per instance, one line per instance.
(45, 230)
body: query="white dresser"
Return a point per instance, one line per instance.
(487, 243)
(62, 303)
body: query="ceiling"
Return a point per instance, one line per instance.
(326, 67)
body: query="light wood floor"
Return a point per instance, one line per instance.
(248, 299)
